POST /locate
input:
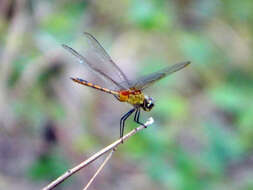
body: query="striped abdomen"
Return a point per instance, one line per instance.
(86, 83)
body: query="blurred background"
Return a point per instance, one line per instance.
(202, 137)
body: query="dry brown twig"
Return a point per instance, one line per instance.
(99, 169)
(83, 164)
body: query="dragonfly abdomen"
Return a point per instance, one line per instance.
(86, 83)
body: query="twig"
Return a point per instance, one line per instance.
(95, 156)
(99, 169)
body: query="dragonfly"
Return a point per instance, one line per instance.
(98, 61)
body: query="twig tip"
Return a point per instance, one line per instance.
(150, 121)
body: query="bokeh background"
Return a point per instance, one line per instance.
(202, 137)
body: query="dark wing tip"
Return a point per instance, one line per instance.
(65, 46)
(87, 33)
(184, 64)
(187, 63)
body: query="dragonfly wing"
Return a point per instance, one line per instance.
(84, 61)
(98, 61)
(101, 61)
(102, 54)
(147, 80)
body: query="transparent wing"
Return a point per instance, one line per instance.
(98, 61)
(147, 80)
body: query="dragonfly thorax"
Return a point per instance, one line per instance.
(134, 97)
(137, 99)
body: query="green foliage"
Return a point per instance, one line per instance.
(48, 166)
(149, 14)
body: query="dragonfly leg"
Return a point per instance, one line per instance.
(137, 117)
(122, 121)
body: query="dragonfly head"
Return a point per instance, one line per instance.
(148, 103)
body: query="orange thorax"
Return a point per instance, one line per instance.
(133, 97)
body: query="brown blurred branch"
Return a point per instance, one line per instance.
(13, 42)
(83, 164)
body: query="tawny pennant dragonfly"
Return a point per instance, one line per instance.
(98, 61)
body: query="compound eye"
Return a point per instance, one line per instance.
(150, 104)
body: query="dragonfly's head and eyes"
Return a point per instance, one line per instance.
(148, 103)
